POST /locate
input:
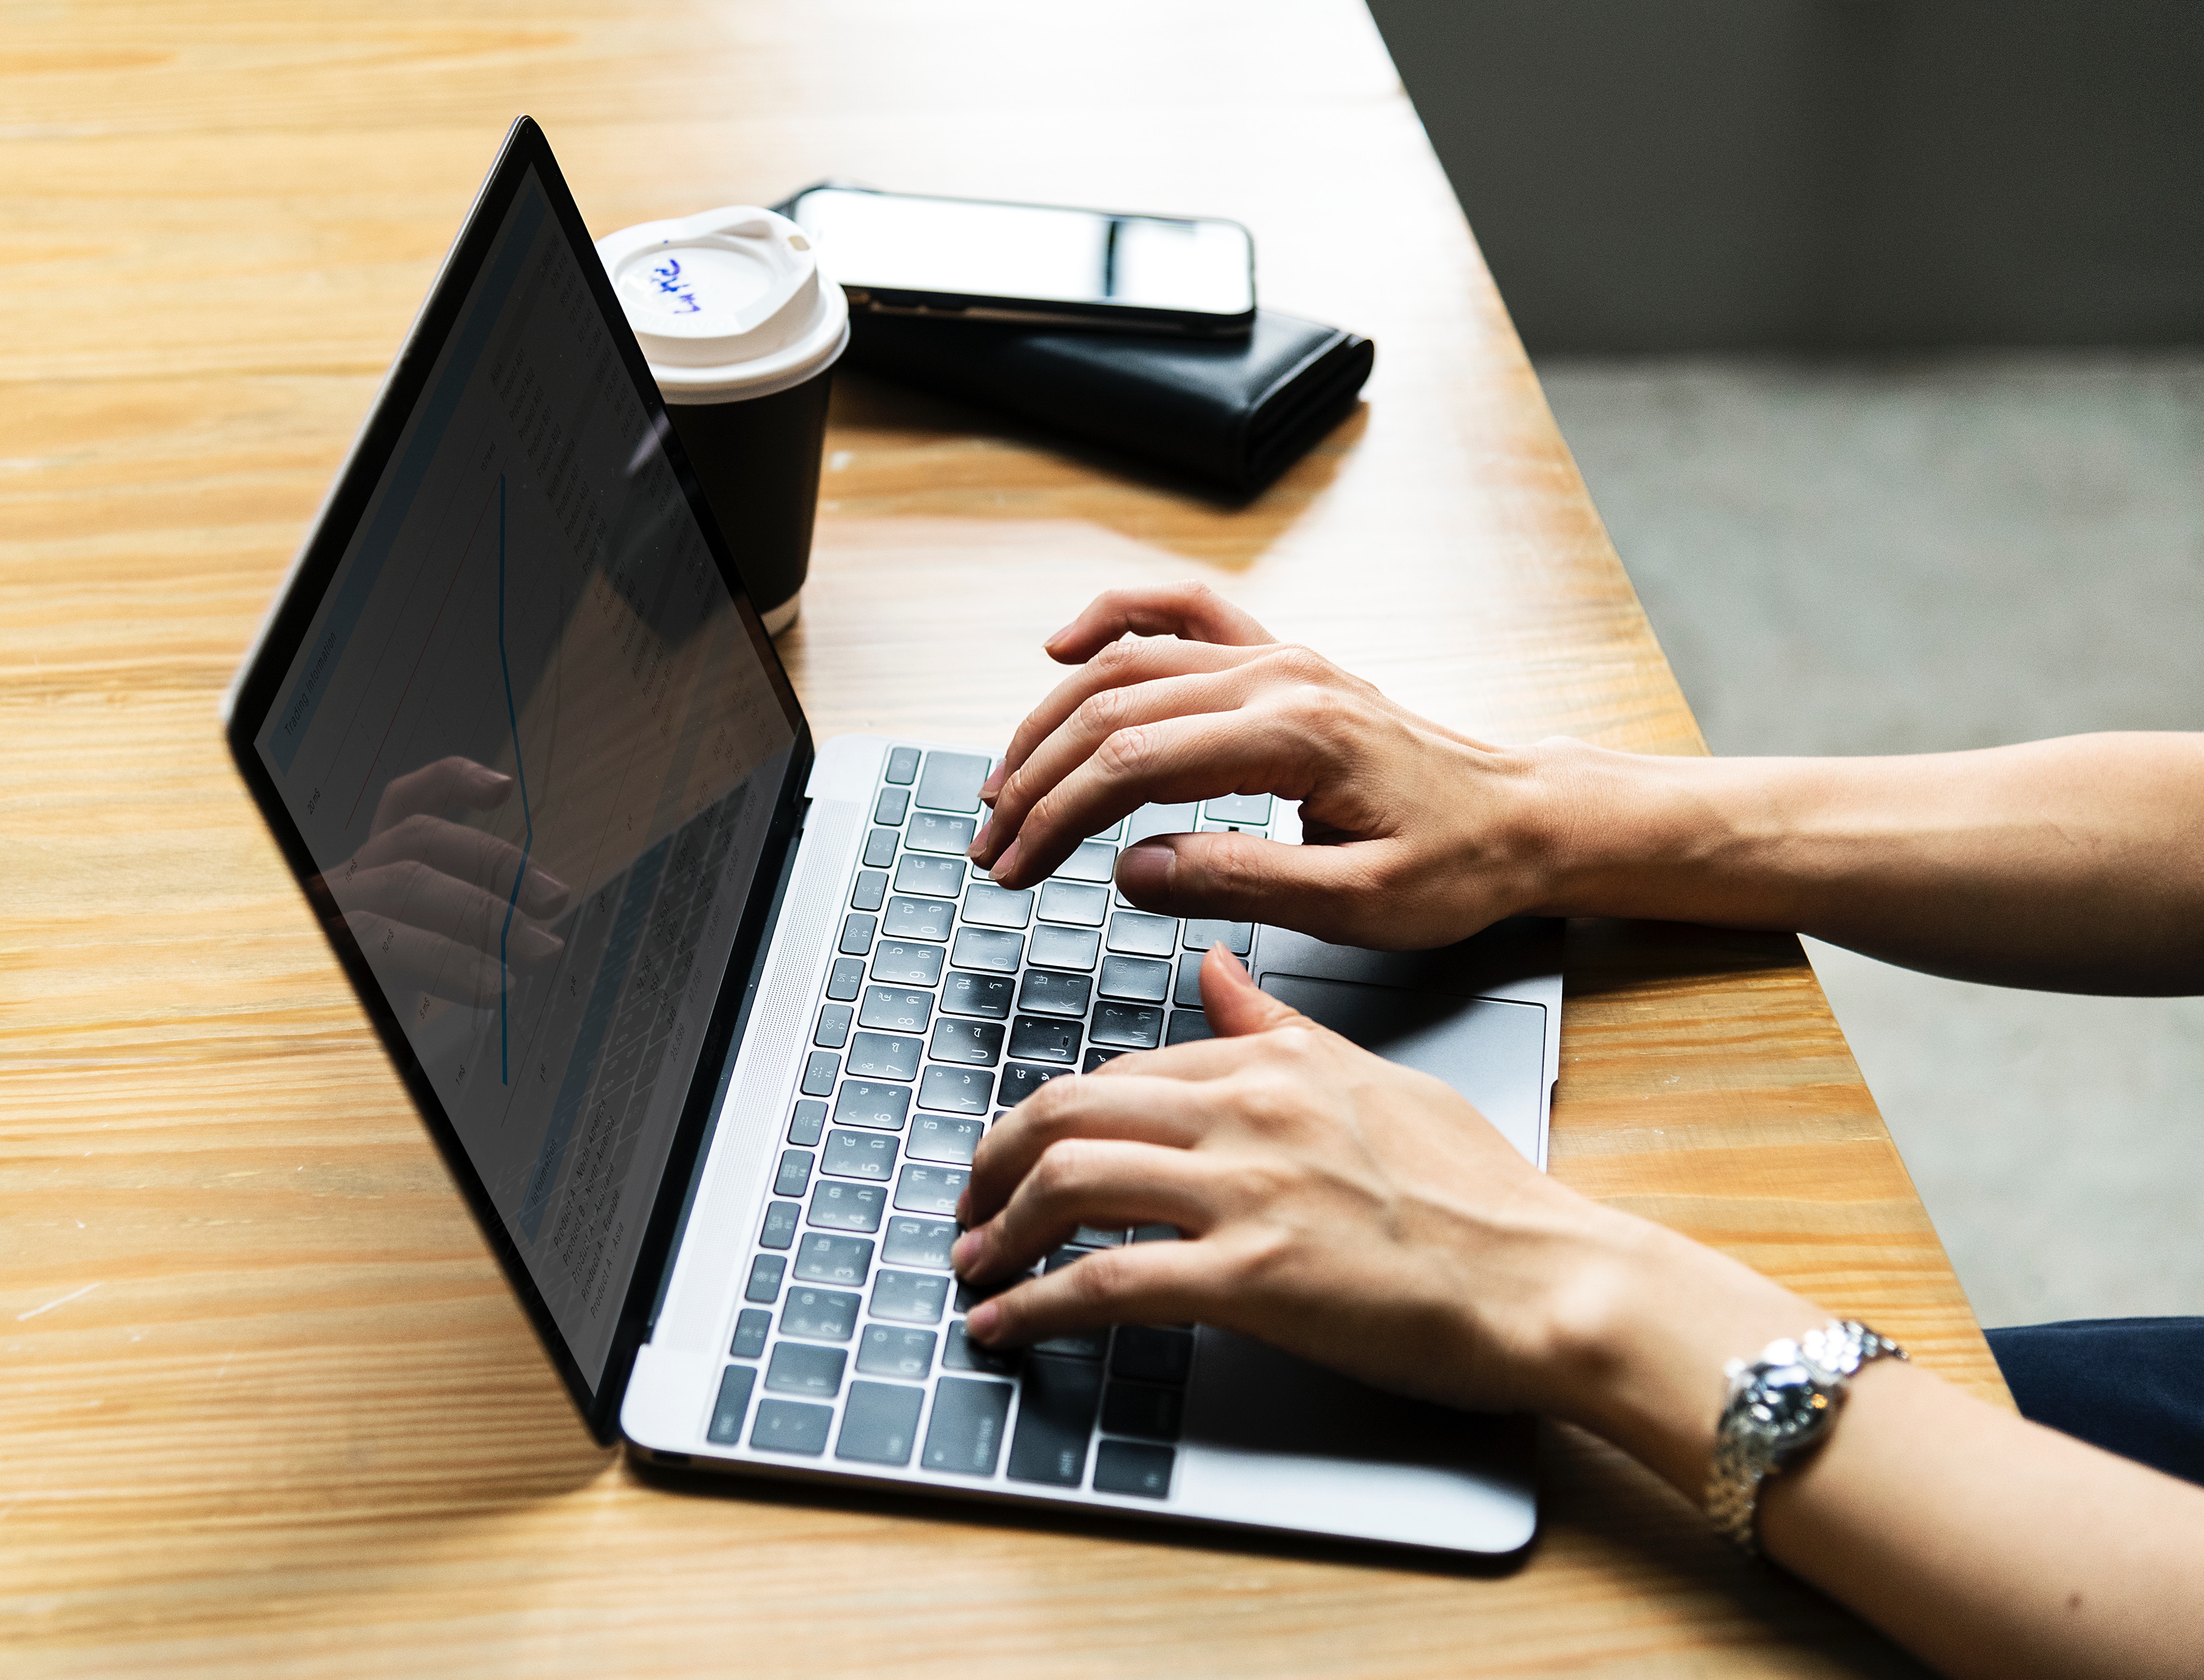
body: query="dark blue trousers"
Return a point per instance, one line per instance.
(2131, 1386)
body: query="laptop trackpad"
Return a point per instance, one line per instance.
(1491, 1050)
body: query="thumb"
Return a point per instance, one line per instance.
(1233, 1002)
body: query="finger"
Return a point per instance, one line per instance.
(1148, 1283)
(1162, 1112)
(1235, 1004)
(1322, 891)
(414, 956)
(1120, 664)
(419, 897)
(1190, 611)
(472, 855)
(1090, 725)
(1169, 761)
(435, 787)
(1098, 1182)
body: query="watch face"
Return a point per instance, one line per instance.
(1788, 1402)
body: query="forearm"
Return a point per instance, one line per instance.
(2074, 865)
(1984, 1543)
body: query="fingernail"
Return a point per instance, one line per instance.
(1006, 863)
(1144, 869)
(980, 840)
(964, 1249)
(980, 1323)
(992, 785)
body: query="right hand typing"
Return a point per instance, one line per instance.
(1413, 835)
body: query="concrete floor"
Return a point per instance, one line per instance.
(1901, 557)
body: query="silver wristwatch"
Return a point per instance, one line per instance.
(1781, 1407)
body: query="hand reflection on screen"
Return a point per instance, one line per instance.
(427, 898)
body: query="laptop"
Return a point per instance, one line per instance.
(706, 1017)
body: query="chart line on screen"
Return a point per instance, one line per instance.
(527, 817)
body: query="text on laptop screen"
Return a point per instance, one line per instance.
(534, 753)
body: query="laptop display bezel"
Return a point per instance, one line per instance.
(268, 666)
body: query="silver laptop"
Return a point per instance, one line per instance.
(707, 1022)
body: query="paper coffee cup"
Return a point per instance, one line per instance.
(741, 330)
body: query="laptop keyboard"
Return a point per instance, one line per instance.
(949, 1001)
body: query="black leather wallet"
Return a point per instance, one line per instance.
(1238, 411)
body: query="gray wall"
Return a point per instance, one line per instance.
(1847, 174)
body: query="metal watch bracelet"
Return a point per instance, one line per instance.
(1781, 1407)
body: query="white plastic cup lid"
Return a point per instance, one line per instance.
(728, 304)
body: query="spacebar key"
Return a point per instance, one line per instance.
(1056, 1414)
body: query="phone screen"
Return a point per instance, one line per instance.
(894, 251)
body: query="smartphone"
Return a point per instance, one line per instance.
(899, 253)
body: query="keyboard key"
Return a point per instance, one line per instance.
(1187, 994)
(860, 1155)
(902, 766)
(1065, 946)
(844, 977)
(790, 1426)
(964, 1437)
(879, 1423)
(1076, 1345)
(986, 905)
(965, 1091)
(833, 1029)
(1094, 860)
(936, 1137)
(931, 833)
(901, 964)
(1246, 808)
(1189, 1027)
(1095, 1058)
(918, 918)
(951, 781)
(1087, 1236)
(1138, 934)
(1066, 1256)
(881, 1056)
(862, 1102)
(765, 1278)
(1123, 1467)
(886, 1350)
(1135, 978)
(804, 1125)
(1043, 1040)
(1239, 937)
(1072, 901)
(750, 1325)
(943, 877)
(820, 1068)
(984, 995)
(1151, 1353)
(824, 1259)
(858, 934)
(977, 1042)
(1127, 1025)
(847, 1207)
(891, 806)
(780, 1219)
(1019, 1083)
(1156, 1234)
(1057, 1401)
(1138, 1409)
(1159, 820)
(918, 1242)
(734, 1402)
(959, 1354)
(895, 1008)
(872, 887)
(923, 1189)
(1047, 994)
(880, 848)
(910, 1297)
(795, 1172)
(1111, 832)
(979, 948)
(817, 1315)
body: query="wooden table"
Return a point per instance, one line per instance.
(268, 1407)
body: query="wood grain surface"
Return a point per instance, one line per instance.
(269, 1408)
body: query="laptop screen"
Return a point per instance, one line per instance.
(533, 749)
